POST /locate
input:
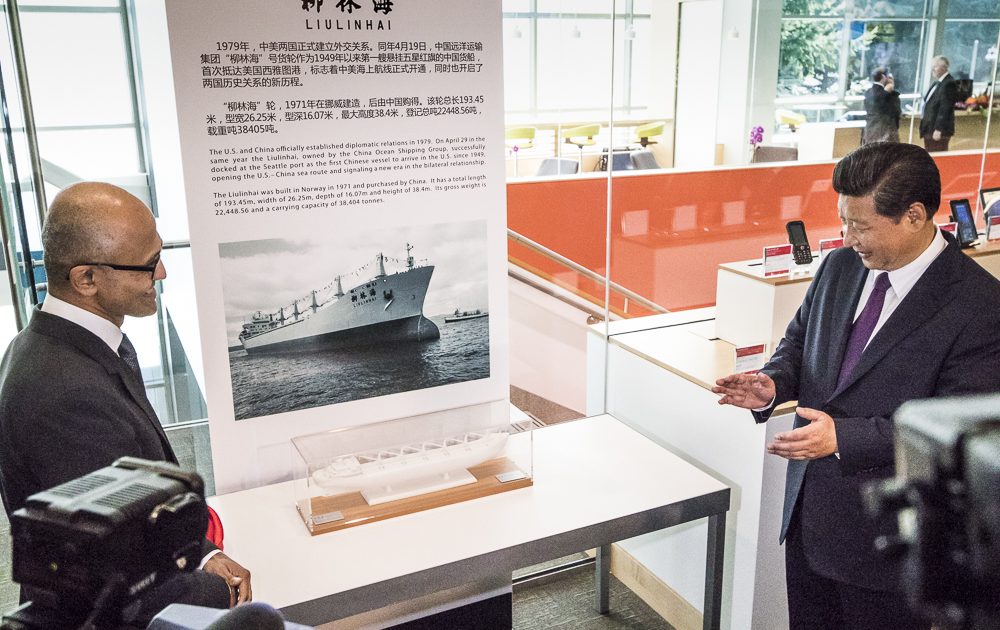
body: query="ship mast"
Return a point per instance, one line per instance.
(340, 289)
(409, 258)
(314, 305)
(381, 266)
(281, 318)
(295, 310)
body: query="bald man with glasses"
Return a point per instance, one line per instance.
(72, 398)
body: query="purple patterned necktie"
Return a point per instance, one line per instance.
(863, 328)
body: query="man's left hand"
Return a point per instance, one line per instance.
(235, 576)
(936, 135)
(813, 441)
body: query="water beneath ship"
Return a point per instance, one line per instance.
(269, 384)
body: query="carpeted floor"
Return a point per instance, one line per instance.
(566, 601)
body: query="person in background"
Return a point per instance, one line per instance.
(883, 109)
(937, 124)
(72, 398)
(899, 313)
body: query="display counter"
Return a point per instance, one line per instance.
(752, 309)
(592, 486)
(659, 373)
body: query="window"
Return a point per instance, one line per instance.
(556, 57)
(830, 47)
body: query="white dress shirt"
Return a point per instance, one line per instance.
(107, 331)
(902, 280)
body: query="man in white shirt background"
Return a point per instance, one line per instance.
(72, 399)
(899, 313)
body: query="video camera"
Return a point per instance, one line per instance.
(86, 550)
(946, 500)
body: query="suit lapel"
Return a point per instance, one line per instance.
(843, 319)
(923, 301)
(92, 346)
(930, 91)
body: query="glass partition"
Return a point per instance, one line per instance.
(559, 112)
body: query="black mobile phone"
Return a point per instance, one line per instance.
(961, 213)
(801, 253)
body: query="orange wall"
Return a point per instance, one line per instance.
(670, 230)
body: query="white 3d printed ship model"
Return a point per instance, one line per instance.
(403, 471)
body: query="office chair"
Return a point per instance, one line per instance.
(774, 153)
(558, 166)
(790, 119)
(643, 160)
(582, 136)
(643, 133)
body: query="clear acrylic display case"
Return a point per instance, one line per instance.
(355, 475)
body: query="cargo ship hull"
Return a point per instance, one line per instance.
(385, 309)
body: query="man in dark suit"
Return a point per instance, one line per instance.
(898, 313)
(882, 108)
(72, 398)
(937, 124)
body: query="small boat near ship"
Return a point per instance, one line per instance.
(460, 315)
(386, 308)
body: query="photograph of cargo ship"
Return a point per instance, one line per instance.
(315, 322)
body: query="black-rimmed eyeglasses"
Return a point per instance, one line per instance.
(150, 269)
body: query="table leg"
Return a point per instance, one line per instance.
(602, 578)
(713, 571)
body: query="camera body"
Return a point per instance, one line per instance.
(944, 500)
(84, 550)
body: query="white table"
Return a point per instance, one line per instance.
(595, 482)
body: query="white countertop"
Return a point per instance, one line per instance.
(588, 474)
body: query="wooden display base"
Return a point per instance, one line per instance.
(354, 510)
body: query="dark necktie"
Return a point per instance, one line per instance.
(127, 352)
(863, 327)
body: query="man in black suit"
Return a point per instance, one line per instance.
(898, 313)
(937, 124)
(72, 398)
(882, 108)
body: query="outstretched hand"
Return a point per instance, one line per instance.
(812, 441)
(236, 577)
(749, 391)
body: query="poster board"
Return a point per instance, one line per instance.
(343, 171)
